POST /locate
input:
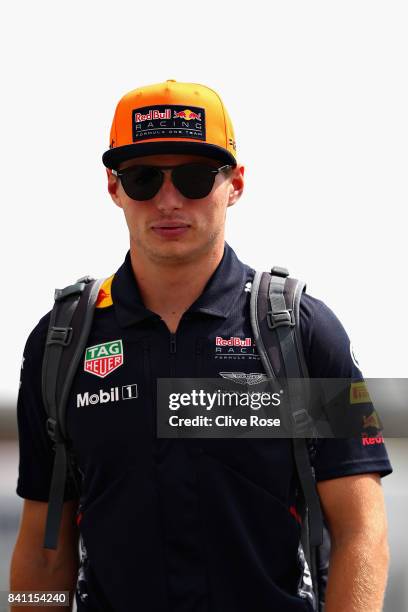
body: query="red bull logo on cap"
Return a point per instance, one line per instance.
(168, 121)
(153, 114)
(187, 114)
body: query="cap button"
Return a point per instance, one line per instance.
(171, 81)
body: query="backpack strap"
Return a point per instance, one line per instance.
(275, 319)
(275, 301)
(70, 323)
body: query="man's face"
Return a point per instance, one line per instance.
(170, 228)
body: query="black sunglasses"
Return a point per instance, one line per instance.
(193, 180)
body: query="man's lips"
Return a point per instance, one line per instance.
(168, 229)
(170, 224)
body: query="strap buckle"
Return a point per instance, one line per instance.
(59, 335)
(303, 423)
(76, 289)
(279, 271)
(281, 318)
(301, 418)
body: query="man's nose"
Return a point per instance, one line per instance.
(168, 198)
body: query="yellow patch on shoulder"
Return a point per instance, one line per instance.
(359, 393)
(104, 298)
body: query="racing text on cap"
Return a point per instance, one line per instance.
(168, 121)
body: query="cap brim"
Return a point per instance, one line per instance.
(113, 157)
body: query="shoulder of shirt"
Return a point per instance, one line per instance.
(314, 310)
(36, 340)
(319, 324)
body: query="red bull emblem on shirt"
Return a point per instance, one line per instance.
(102, 359)
(235, 348)
(372, 420)
(233, 341)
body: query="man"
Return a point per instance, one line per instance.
(187, 525)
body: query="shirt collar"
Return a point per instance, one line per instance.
(217, 299)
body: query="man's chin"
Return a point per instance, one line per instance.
(163, 249)
(172, 252)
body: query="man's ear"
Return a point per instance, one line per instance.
(113, 186)
(237, 184)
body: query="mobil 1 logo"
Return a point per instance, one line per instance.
(103, 396)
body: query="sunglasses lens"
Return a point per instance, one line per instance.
(194, 180)
(141, 182)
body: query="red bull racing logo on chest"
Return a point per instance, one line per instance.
(102, 359)
(170, 121)
(235, 348)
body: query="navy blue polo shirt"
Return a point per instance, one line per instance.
(182, 525)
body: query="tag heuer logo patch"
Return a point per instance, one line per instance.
(102, 359)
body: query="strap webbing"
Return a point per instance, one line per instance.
(297, 386)
(57, 340)
(308, 484)
(277, 343)
(74, 305)
(297, 399)
(56, 498)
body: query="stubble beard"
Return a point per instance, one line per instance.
(172, 257)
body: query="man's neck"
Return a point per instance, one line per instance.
(169, 290)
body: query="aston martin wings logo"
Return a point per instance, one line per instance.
(254, 378)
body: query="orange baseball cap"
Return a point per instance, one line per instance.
(171, 117)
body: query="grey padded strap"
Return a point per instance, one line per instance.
(298, 397)
(69, 307)
(58, 337)
(278, 346)
(256, 326)
(282, 320)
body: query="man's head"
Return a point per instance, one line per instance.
(174, 214)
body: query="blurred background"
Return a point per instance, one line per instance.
(318, 95)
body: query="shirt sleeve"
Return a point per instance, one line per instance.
(36, 453)
(329, 354)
